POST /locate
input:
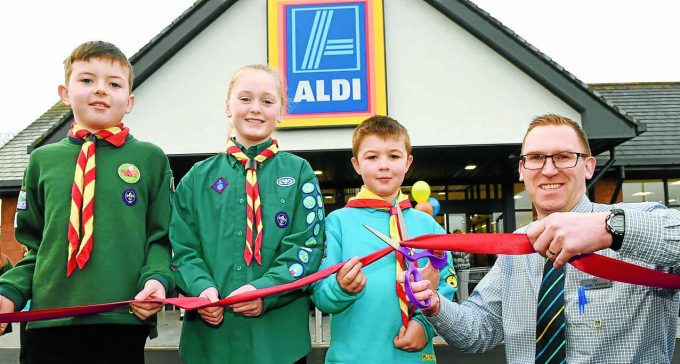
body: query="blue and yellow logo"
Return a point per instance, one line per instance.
(332, 59)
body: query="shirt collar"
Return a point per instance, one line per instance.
(251, 152)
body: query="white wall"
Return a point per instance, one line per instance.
(446, 86)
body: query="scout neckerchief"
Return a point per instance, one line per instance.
(254, 207)
(367, 199)
(81, 220)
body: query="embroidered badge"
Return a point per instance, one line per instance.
(319, 200)
(310, 217)
(129, 197)
(310, 242)
(285, 181)
(319, 213)
(317, 228)
(308, 187)
(22, 204)
(309, 202)
(296, 269)
(303, 255)
(220, 185)
(281, 219)
(429, 357)
(129, 173)
(318, 188)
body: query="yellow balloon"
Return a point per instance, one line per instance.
(420, 191)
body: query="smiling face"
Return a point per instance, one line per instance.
(98, 91)
(382, 164)
(551, 189)
(254, 105)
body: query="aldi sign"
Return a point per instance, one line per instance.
(331, 55)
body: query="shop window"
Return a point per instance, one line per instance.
(328, 196)
(523, 218)
(522, 201)
(674, 192)
(643, 191)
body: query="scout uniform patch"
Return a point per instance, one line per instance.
(129, 173)
(285, 181)
(22, 204)
(129, 197)
(281, 219)
(220, 185)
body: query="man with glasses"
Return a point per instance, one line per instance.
(549, 312)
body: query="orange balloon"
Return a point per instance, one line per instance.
(425, 207)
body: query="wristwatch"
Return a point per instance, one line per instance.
(616, 226)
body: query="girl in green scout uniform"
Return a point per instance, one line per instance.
(246, 219)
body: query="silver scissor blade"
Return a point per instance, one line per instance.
(395, 245)
(402, 224)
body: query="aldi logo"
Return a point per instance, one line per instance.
(331, 57)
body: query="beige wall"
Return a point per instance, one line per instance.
(446, 86)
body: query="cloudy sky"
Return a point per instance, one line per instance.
(596, 40)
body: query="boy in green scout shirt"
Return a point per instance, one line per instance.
(245, 219)
(92, 245)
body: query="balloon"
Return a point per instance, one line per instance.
(420, 191)
(436, 206)
(424, 207)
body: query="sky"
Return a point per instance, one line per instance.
(598, 41)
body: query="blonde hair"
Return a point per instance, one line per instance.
(558, 120)
(381, 126)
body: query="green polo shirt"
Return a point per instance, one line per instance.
(208, 232)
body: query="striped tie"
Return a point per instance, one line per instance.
(366, 198)
(550, 327)
(81, 219)
(253, 207)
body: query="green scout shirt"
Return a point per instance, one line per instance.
(207, 231)
(130, 243)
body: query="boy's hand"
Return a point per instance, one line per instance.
(411, 338)
(249, 308)
(422, 290)
(152, 289)
(211, 315)
(6, 306)
(350, 277)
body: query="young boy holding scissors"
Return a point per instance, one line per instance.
(372, 319)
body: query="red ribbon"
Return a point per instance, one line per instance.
(507, 244)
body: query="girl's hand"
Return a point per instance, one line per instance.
(411, 338)
(211, 315)
(249, 308)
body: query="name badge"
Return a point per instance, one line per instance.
(596, 283)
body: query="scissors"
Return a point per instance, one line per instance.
(411, 257)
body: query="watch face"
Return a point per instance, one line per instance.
(618, 223)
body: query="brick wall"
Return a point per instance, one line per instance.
(8, 245)
(604, 189)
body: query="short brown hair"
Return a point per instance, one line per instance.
(557, 120)
(98, 49)
(382, 126)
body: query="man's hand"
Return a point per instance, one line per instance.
(6, 306)
(563, 235)
(249, 308)
(422, 290)
(411, 338)
(211, 315)
(350, 277)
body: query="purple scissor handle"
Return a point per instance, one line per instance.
(411, 256)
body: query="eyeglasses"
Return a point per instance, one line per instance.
(560, 160)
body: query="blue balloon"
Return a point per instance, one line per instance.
(435, 205)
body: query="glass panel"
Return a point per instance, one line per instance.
(350, 192)
(643, 191)
(674, 192)
(458, 192)
(497, 223)
(523, 218)
(522, 201)
(457, 223)
(328, 196)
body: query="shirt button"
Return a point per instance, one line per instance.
(239, 267)
(240, 233)
(283, 201)
(241, 200)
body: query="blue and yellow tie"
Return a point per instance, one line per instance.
(550, 327)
